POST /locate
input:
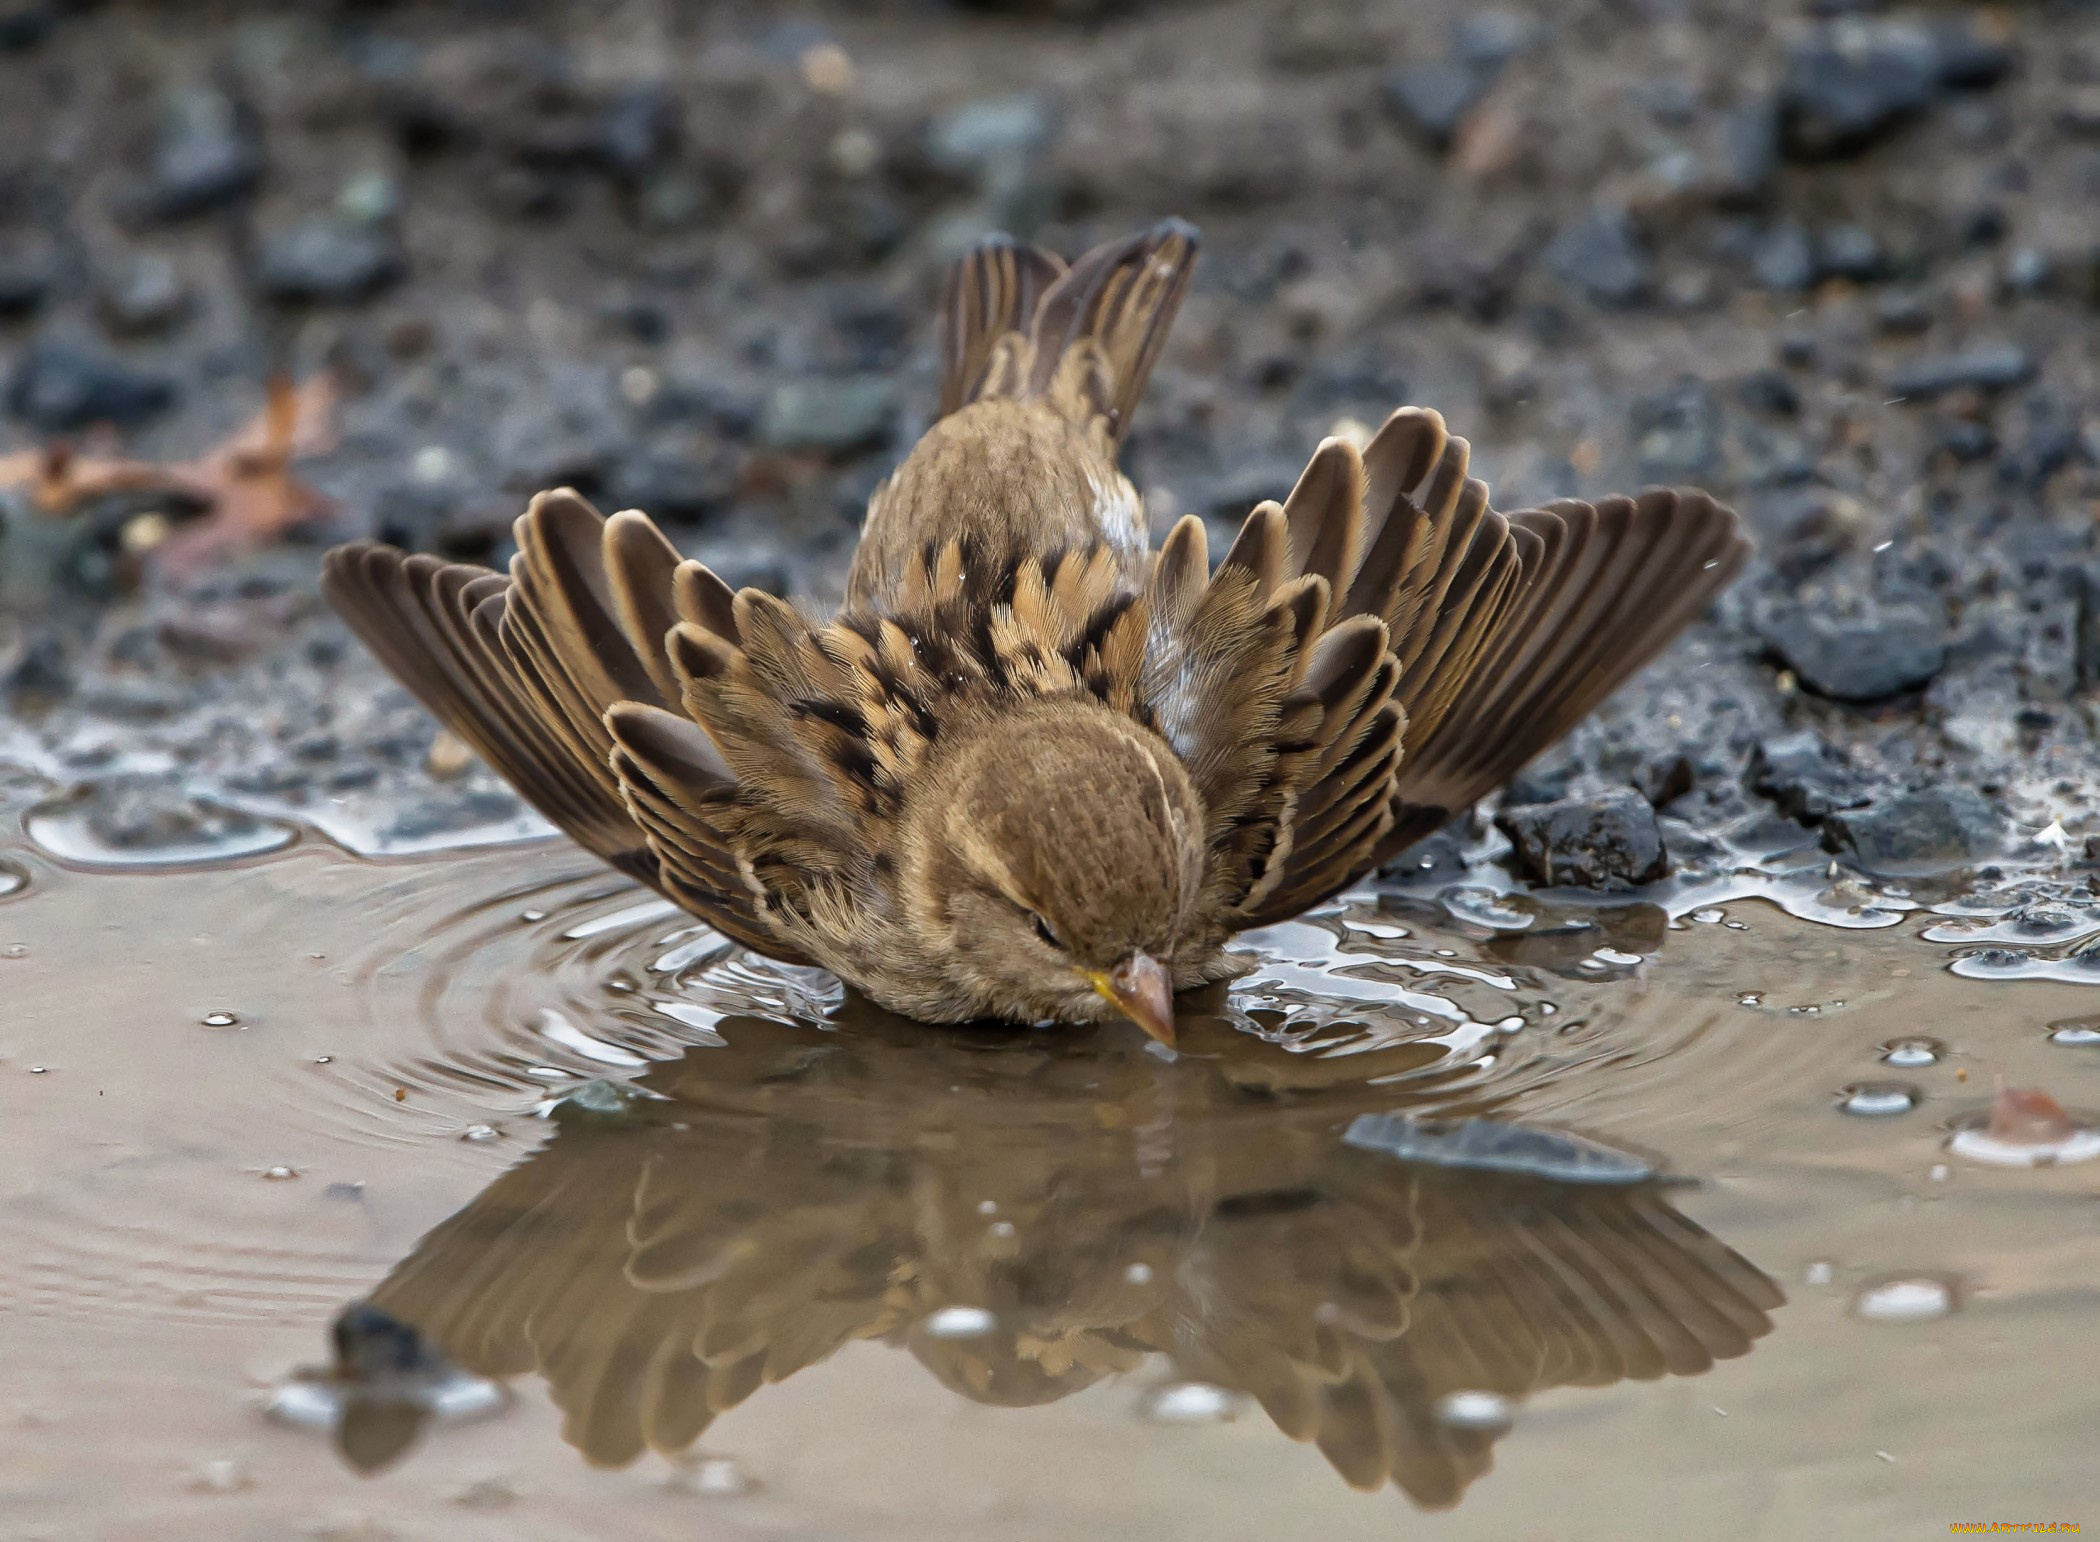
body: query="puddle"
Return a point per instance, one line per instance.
(1512, 1206)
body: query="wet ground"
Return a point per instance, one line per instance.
(358, 1182)
(1592, 1221)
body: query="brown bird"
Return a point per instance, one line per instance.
(1032, 769)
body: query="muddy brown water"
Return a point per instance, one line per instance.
(1430, 1228)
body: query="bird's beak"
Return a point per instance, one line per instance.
(1143, 992)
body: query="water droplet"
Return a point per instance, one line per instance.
(532, 916)
(222, 1020)
(1709, 916)
(1912, 1053)
(988, 1207)
(1188, 1402)
(224, 1476)
(1138, 1274)
(1878, 1100)
(324, 1060)
(715, 1477)
(1976, 1144)
(1737, 926)
(1915, 1298)
(1810, 1010)
(1939, 1172)
(39, 1070)
(279, 1174)
(960, 1322)
(15, 950)
(1820, 1271)
(480, 1134)
(2077, 1035)
(1750, 999)
(1001, 1228)
(1474, 1411)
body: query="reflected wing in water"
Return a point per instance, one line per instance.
(1028, 1215)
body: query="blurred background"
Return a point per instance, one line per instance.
(275, 276)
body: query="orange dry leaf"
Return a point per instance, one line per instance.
(245, 483)
(2029, 1117)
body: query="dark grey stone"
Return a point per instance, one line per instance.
(1489, 39)
(61, 385)
(1945, 825)
(1747, 151)
(1804, 776)
(1784, 259)
(148, 295)
(1601, 255)
(1677, 434)
(26, 23)
(1849, 84)
(638, 131)
(1607, 841)
(325, 259)
(837, 417)
(1990, 367)
(1430, 100)
(1849, 252)
(1870, 654)
(27, 269)
(208, 155)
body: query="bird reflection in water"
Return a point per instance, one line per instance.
(1027, 1213)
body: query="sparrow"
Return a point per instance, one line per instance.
(776, 1199)
(1034, 769)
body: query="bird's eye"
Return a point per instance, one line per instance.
(1042, 930)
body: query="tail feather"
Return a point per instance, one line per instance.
(1017, 323)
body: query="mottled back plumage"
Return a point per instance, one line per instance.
(1032, 768)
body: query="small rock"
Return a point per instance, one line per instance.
(61, 385)
(1868, 654)
(836, 417)
(638, 131)
(1939, 826)
(1784, 259)
(27, 268)
(1489, 39)
(1602, 256)
(1746, 152)
(1991, 367)
(674, 483)
(1849, 84)
(1804, 776)
(1677, 433)
(1607, 841)
(1849, 252)
(982, 136)
(326, 259)
(208, 155)
(148, 295)
(1430, 100)
(26, 23)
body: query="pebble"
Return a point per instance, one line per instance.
(1600, 255)
(1870, 654)
(1804, 776)
(1991, 367)
(327, 259)
(1850, 83)
(207, 156)
(1943, 825)
(834, 416)
(1607, 841)
(147, 295)
(1431, 99)
(61, 386)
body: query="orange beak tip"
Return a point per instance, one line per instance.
(1142, 991)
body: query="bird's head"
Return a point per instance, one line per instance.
(1055, 865)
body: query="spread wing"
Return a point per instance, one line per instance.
(1455, 644)
(527, 668)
